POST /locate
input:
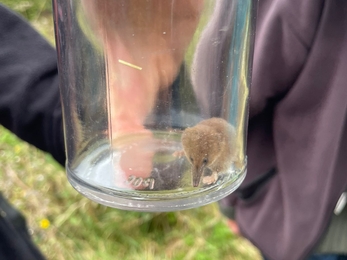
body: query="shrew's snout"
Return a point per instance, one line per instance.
(197, 173)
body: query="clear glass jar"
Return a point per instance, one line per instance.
(154, 98)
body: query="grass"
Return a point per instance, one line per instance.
(65, 225)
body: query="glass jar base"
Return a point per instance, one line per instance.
(143, 201)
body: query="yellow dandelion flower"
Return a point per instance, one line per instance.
(45, 223)
(17, 148)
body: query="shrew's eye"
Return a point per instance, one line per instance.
(191, 159)
(205, 160)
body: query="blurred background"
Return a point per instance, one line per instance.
(66, 225)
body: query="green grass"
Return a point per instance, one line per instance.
(78, 228)
(38, 12)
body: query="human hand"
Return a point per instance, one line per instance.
(233, 226)
(144, 43)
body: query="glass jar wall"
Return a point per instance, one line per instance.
(154, 99)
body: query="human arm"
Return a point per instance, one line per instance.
(29, 92)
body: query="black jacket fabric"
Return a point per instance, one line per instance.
(29, 92)
(15, 241)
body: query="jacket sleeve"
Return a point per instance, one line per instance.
(29, 92)
(285, 33)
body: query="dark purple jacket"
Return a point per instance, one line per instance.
(298, 112)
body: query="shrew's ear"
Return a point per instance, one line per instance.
(186, 135)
